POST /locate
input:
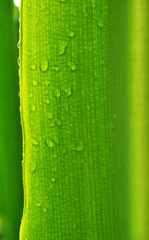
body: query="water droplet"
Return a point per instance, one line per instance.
(18, 61)
(55, 68)
(62, 47)
(71, 34)
(35, 82)
(51, 124)
(100, 23)
(44, 210)
(53, 179)
(33, 167)
(47, 83)
(57, 93)
(68, 92)
(35, 141)
(44, 66)
(33, 66)
(72, 66)
(79, 148)
(47, 101)
(38, 203)
(50, 143)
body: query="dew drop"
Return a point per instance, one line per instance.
(79, 148)
(50, 143)
(55, 155)
(51, 124)
(53, 179)
(44, 66)
(72, 66)
(33, 167)
(55, 68)
(47, 83)
(62, 47)
(33, 66)
(38, 203)
(18, 61)
(68, 92)
(35, 82)
(71, 34)
(35, 142)
(47, 101)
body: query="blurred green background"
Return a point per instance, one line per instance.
(11, 193)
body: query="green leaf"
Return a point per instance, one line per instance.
(80, 125)
(10, 129)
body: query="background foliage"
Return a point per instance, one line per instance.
(10, 128)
